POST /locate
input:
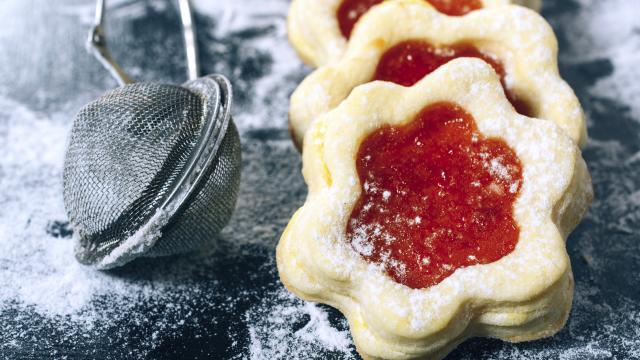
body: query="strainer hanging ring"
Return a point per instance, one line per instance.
(151, 169)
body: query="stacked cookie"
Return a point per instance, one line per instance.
(441, 151)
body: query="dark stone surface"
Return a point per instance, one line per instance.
(44, 68)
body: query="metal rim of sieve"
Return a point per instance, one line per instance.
(218, 97)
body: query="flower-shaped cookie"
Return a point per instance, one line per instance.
(436, 213)
(319, 30)
(401, 41)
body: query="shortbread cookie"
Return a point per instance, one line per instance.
(436, 213)
(402, 41)
(319, 30)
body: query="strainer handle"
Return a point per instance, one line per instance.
(190, 41)
(97, 43)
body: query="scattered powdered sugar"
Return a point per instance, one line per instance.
(264, 47)
(276, 332)
(228, 302)
(49, 303)
(38, 270)
(138, 243)
(598, 30)
(41, 282)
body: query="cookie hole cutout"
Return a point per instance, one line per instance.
(350, 11)
(436, 196)
(409, 61)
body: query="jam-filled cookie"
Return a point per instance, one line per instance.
(320, 30)
(436, 213)
(400, 42)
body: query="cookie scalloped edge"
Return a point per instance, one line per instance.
(315, 35)
(520, 38)
(525, 295)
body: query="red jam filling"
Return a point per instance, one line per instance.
(456, 7)
(436, 196)
(350, 11)
(409, 61)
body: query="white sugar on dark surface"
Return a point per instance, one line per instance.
(604, 31)
(294, 330)
(248, 43)
(151, 306)
(49, 304)
(228, 303)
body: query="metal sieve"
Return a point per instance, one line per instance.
(151, 169)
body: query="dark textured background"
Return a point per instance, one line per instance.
(215, 303)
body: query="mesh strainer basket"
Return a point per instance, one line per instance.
(151, 169)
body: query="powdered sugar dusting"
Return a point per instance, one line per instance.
(229, 303)
(278, 332)
(43, 287)
(264, 51)
(50, 304)
(137, 243)
(599, 30)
